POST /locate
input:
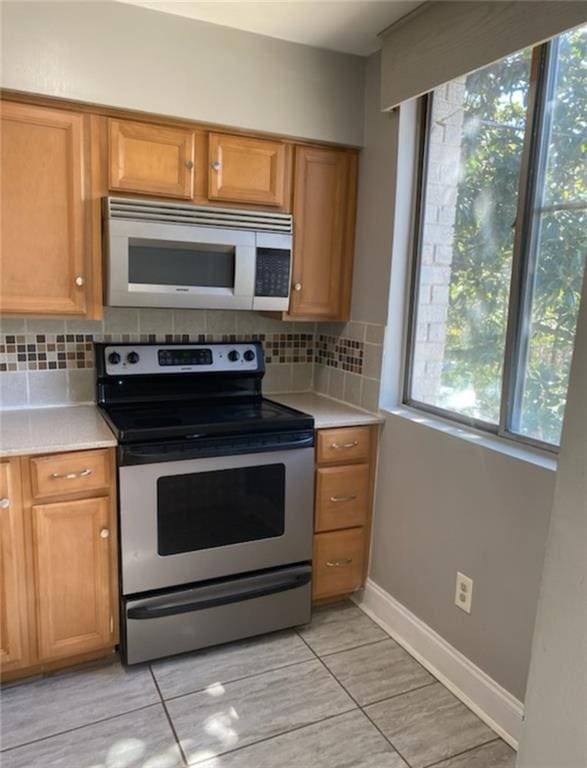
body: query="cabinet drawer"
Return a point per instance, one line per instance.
(343, 445)
(70, 473)
(342, 497)
(338, 562)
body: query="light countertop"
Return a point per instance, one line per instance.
(26, 431)
(327, 412)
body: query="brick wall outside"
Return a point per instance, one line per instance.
(437, 238)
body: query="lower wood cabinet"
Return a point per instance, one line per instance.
(339, 562)
(14, 624)
(58, 577)
(345, 472)
(72, 561)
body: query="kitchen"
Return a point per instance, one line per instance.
(205, 330)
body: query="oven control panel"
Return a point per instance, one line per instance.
(147, 359)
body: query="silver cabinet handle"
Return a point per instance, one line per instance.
(339, 563)
(189, 164)
(337, 446)
(104, 533)
(297, 286)
(4, 503)
(71, 475)
(336, 499)
(79, 281)
(216, 165)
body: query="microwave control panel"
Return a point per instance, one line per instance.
(272, 276)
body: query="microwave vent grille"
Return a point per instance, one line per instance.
(199, 215)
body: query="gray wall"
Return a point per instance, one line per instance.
(120, 55)
(442, 503)
(555, 731)
(376, 189)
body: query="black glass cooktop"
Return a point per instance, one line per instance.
(157, 421)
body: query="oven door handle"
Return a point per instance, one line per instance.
(171, 609)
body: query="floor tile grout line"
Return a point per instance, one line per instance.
(168, 716)
(276, 736)
(387, 739)
(79, 727)
(360, 707)
(237, 679)
(395, 695)
(356, 647)
(463, 752)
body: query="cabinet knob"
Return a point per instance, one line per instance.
(339, 563)
(216, 165)
(297, 286)
(189, 164)
(4, 503)
(79, 281)
(104, 533)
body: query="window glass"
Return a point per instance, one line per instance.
(559, 243)
(475, 144)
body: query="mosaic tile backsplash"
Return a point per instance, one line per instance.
(50, 362)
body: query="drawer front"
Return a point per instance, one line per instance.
(338, 562)
(342, 497)
(343, 445)
(70, 473)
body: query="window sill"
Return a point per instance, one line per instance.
(471, 435)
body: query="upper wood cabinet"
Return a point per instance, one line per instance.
(72, 558)
(14, 624)
(246, 170)
(324, 202)
(151, 159)
(44, 267)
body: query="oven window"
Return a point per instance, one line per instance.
(188, 264)
(212, 509)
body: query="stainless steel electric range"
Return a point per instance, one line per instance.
(215, 496)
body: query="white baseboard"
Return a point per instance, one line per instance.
(492, 703)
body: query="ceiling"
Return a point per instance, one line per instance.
(350, 26)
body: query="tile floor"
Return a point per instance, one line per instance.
(338, 693)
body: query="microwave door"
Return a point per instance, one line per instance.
(174, 265)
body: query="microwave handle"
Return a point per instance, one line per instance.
(142, 612)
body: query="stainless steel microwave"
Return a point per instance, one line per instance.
(165, 254)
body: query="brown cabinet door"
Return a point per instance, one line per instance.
(323, 213)
(152, 159)
(246, 170)
(42, 240)
(14, 625)
(72, 557)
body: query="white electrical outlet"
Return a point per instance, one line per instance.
(464, 592)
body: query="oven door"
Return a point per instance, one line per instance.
(178, 265)
(187, 521)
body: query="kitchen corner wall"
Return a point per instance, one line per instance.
(348, 361)
(51, 362)
(372, 265)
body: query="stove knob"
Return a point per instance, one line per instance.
(132, 358)
(249, 355)
(114, 358)
(233, 355)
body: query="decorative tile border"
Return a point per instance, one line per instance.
(340, 352)
(67, 351)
